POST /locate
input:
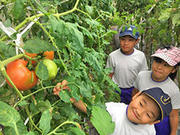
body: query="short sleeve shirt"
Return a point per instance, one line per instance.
(126, 67)
(144, 81)
(122, 125)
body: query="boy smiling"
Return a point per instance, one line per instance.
(138, 118)
(146, 108)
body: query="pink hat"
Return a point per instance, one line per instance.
(171, 56)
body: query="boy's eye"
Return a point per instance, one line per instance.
(141, 104)
(148, 115)
(131, 39)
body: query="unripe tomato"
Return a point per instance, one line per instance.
(20, 75)
(51, 67)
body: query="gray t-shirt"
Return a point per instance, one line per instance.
(144, 81)
(126, 67)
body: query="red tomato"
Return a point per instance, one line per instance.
(20, 75)
(49, 55)
(46, 54)
(32, 55)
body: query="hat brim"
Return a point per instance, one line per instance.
(165, 58)
(162, 116)
(127, 34)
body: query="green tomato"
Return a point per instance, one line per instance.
(51, 67)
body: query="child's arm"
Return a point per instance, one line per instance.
(62, 86)
(174, 121)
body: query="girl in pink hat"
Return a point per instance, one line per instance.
(163, 72)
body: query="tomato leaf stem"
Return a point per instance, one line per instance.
(64, 123)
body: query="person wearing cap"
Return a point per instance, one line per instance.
(138, 118)
(126, 62)
(163, 71)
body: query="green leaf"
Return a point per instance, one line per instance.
(64, 96)
(75, 37)
(6, 51)
(31, 133)
(85, 90)
(23, 103)
(76, 131)
(165, 14)
(76, 60)
(37, 45)
(176, 19)
(74, 92)
(92, 59)
(102, 121)
(8, 115)
(18, 10)
(44, 105)
(45, 121)
(89, 9)
(21, 128)
(67, 33)
(42, 71)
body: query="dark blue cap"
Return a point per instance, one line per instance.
(130, 30)
(162, 99)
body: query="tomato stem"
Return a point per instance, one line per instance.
(5, 62)
(24, 97)
(8, 78)
(64, 123)
(16, 129)
(30, 118)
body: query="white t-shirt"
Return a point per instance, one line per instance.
(126, 67)
(144, 81)
(122, 125)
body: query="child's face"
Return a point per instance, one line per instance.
(142, 110)
(127, 44)
(161, 70)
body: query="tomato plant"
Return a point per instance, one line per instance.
(20, 75)
(79, 32)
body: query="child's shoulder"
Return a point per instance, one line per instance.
(115, 52)
(116, 109)
(138, 52)
(144, 73)
(115, 105)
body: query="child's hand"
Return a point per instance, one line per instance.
(60, 86)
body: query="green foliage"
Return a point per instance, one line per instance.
(79, 33)
(11, 119)
(18, 10)
(36, 45)
(45, 121)
(102, 121)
